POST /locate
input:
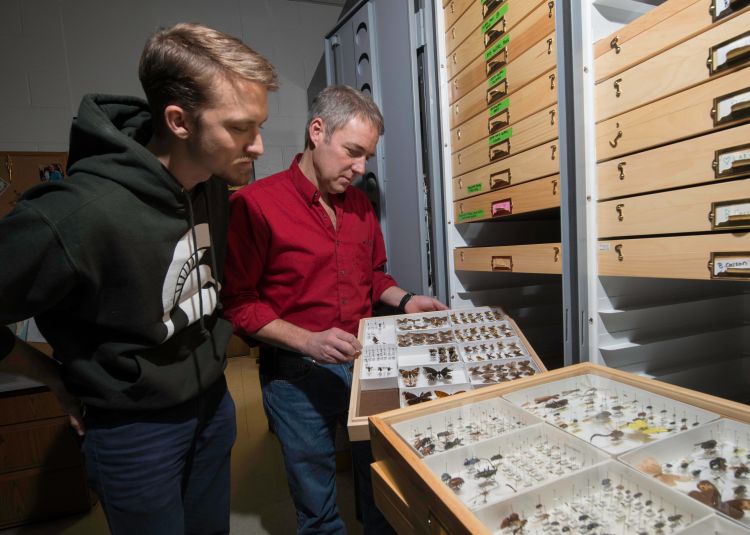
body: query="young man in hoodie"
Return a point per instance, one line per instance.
(120, 265)
(305, 262)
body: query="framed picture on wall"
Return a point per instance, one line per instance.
(51, 172)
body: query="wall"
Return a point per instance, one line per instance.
(54, 51)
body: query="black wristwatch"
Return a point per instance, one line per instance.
(405, 299)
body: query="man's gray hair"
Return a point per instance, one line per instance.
(336, 105)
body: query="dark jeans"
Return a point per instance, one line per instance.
(304, 402)
(164, 472)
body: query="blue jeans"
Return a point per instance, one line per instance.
(304, 401)
(164, 472)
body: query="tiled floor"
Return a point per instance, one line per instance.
(260, 498)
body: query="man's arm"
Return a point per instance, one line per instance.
(330, 347)
(31, 363)
(418, 303)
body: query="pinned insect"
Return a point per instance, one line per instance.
(651, 467)
(441, 394)
(614, 435)
(413, 399)
(513, 522)
(450, 444)
(708, 494)
(434, 375)
(708, 445)
(410, 376)
(557, 404)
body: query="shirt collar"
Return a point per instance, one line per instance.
(304, 186)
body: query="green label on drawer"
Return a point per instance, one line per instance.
(497, 108)
(476, 214)
(501, 136)
(499, 14)
(473, 188)
(497, 48)
(497, 78)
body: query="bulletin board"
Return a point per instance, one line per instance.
(20, 171)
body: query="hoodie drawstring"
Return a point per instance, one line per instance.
(191, 220)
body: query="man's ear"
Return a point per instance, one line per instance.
(177, 121)
(317, 131)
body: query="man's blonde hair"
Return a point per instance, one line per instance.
(179, 65)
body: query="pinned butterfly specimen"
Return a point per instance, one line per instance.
(708, 493)
(441, 394)
(413, 399)
(410, 376)
(651, 467)
(433, 374)
(513, 522)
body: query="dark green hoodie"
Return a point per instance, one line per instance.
(107, 263)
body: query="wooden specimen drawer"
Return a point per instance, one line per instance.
(540, 194)
(726, 45)
(715, 207)
(537, 60)
(716, 156)
(504, 112)
(536, 258)
(389, 498)
(525, 134)
(534, 163)
(713, 256)
(720, 102)
(48, 443)
(661, 28)
(511, 37)
(453, 9)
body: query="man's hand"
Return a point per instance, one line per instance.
(71, 406)
(333, 346)
(423, 303)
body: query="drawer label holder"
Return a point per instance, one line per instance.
(730, 266)
(732, 162)
(723, 8)
(733, 214)
(468, 216)
(497, 78)
(498, 47)
(732, 107)
(474, 188)
(731, 53)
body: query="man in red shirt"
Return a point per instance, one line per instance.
(305, 263)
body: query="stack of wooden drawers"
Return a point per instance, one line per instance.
(673, 143)
(503, 118)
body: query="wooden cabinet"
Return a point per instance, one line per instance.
(453, 9)
(41, 474)
(543, 258)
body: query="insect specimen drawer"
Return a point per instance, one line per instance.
(414, 358)
(584, 449)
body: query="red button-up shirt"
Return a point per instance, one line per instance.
(285, 259)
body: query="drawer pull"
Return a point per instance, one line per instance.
(621, 168)
(500, 151)
(549, 46)
(453, 32)
(730, 266)
(496, 29)
(554, 150)
(728, 54)
(557, 253)
(453, 7)
(502, 263)
(497, 92)
(733, 214)
(497, 123)
(458, 134)
(614, 43)
(552, 81)
(552, 117)
(731, 107)
(722, 8)
(551, 6)
(732, 162)
(498, 62)
(554, 187)
(455, 85)
(461, 254)
(614, 142)
(455, 108)
(455, 60)
(617, 87)
(619, 208)
(497, 181)
(460, 183)
(503, 207)
(489, 6)
(618, 250)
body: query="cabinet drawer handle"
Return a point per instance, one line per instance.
(727, 8)
(455, 108)
(734, 214)
(613, 143)
(615, 43)
(554, 150)
(460, 183)
(730, 265)
(497, 180)
(501, 208)
(490, 6)
(557, 253)
(621, 168)
(499, 151)
(453, 32)
(618, 249)
(552, 81)
(497, 92)
(552, 117)
(619, 208)
(549, 46)
(498, 122)
(551, 6)
(458, 134)
(732, 162)
(617, 87)
(498, 62)
(554, 187)
(731, 107)
(731, 53)
(501, 263)
(495, 32)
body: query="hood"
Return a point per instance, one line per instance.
(108, 139)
